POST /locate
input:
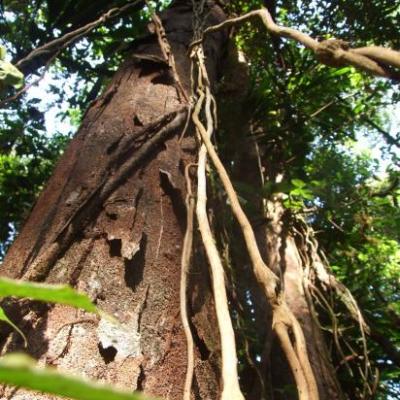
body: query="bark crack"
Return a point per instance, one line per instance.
(39, 269)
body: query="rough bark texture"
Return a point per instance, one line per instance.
(111, 222)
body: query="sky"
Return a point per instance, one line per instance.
(49, 106)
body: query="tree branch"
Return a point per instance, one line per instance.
(376, 60)
(50, 48)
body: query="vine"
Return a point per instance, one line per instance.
(285, 325)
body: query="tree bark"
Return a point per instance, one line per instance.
(111, 223)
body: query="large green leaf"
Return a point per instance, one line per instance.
(22, 371)
(61, 294)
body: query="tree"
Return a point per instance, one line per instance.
(112, 222)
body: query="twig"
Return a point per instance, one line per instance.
(29, 85)
(62, 42)
(327, 105)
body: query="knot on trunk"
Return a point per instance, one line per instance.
(331, 51)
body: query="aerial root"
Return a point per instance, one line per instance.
(185, 264)
(315, 262)
(231, 388)
(284, 320)
(284, 324)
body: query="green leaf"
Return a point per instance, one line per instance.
(298, 183)
(340, 71)
(307, 194)
(273, 187)
(2, 53)
(20, 370)
(296, 192)
(61, 294)
(4, 318)
(282, 187)
(10, 75)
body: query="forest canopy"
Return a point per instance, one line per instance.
(329, 136)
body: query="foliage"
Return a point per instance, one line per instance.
(307, 120)
(4, 318)
(20, 370)
(359, 225)
(60, 294)
(27, 157)
(27, 151)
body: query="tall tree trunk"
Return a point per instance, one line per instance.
(111, 223)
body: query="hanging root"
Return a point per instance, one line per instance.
(231, 389)
(315, 263)
(285, 322)
(185, 263)
(335, 53)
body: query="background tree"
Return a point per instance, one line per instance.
(112, 218)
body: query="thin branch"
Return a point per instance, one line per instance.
(29, 85)
(64, 41)
(390, 140)
(330, 103)
(387, 346)
(386, 135)
(59, 44)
